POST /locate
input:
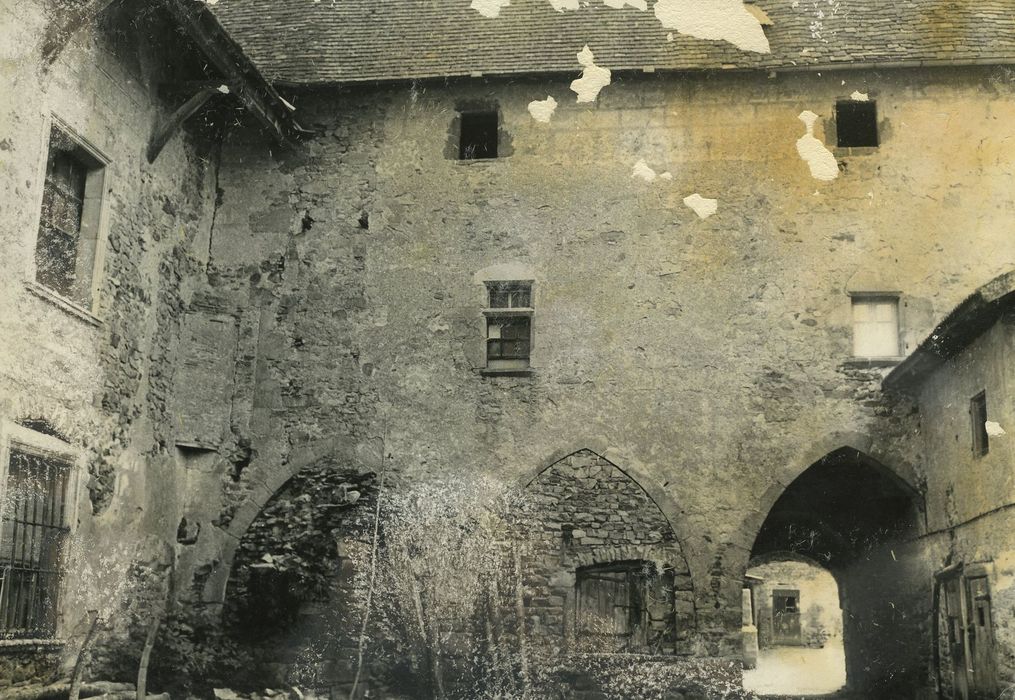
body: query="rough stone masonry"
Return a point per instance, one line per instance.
(691, 388)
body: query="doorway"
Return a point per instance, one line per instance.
(786, 618)
(966, 665)
(853, 517)
(799, 627)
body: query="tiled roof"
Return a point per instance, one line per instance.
(323, 41)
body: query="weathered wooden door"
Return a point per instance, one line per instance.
(956, 636)
(970, 634)
(786, 617)
(983, 672)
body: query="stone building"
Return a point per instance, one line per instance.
(661, 299)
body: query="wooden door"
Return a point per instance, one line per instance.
(786, 617)
(982, 667)
(955, 633)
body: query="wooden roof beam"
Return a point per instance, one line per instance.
(245, 81)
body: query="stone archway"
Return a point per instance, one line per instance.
(292, 576)
(585, 517)
(854, 515)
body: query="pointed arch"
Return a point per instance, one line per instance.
(583, 512)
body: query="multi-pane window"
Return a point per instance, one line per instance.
(875, 326)
(33, 535)
(65, 250)
(509, 325)
(978, 420)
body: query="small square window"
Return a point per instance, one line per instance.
(856, 124)
(508, 325)
(875, 326)
(67, 244)
(978, 422)
(478, 135)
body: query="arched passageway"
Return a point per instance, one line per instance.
(852, 515)
(287, 600)
(796, 610)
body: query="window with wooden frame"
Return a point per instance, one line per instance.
(35, 516)
(876, 325)
(508, 325)
(69, 241)
(978, 423)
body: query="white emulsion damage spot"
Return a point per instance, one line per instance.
(637, 4)
(542, 110)
(993, 429)
(489, 8)
(642, 170)
(818, 158)
(701, 206)
(715, 20)
(594, 78)
(858, 96)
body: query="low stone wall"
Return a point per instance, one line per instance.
(22, 663)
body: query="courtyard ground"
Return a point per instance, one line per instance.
(796, 671)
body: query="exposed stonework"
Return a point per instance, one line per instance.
(263, 309)
(584, 510)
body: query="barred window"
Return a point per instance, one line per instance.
(67, 243)
(33, 536)
(509, 325)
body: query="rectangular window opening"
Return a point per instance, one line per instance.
(508, 325)
(478, 135)
(856, 124)
(876, 326)
(66, 245)
(978, 419)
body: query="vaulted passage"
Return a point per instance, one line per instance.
(795, 609)
(852, 515)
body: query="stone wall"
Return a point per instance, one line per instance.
(100, 374)
(968, 495)
(713, 356)
(583, 511)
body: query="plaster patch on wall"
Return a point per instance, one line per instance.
(594, 78)
(489, 8)
(641, 169)
(542, 110)
(619, 4)
(818, 158)
(561, 5)
(993, 428)
(703, 207)
(715, 20)
(858, 96)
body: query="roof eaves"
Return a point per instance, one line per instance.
(967, 322)
(258, 95)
